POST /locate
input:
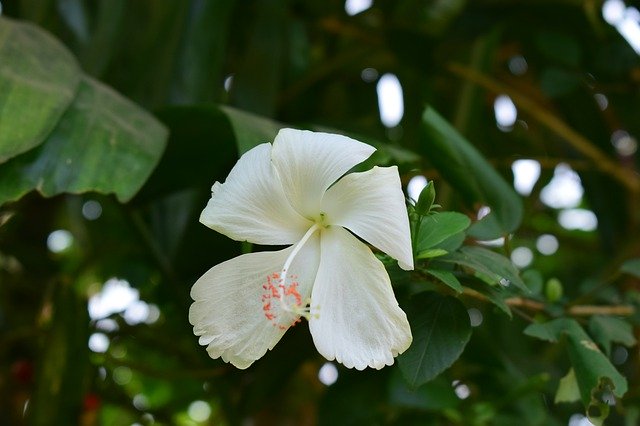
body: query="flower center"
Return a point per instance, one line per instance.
(285, 294)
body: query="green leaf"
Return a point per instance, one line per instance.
(431, 253)
(38, 80)
(425, 199)
(568, 390)
(631, 267)
(606, 330)
(446, 277)
(103, 143)
(533, 279)
(492, 267)
(594, 372)
(452, 243)
(436, 228)
(467, 171)
(251, 130)
(441, 329)
(438, 394)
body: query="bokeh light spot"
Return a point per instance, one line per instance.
(328, 374)
(59, 240)
(199, 411)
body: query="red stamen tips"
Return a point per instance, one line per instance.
(282, 300)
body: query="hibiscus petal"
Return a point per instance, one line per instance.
(371, 204)
(229, 311)
(309, 162)
(359, 322)
(251, 204)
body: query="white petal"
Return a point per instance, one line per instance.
(228, 313)
(309, 162)
(359, 322)
(251, 204)
(371, 204)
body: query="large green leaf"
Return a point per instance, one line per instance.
(38, 80)
(103, 143)
(470, 173)
(594, 372)
(441, 329)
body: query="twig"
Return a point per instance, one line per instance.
(583, 310)
(576, 310)
(626, 177)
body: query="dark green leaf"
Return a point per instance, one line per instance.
(593, 369)
(103, 143)
(446, 277)
(495, 295)
(452, 243)
(38, 80)
(467, 171)
(200, 75)
(493, 267)
(533, 280)
(441, 329)
(436, 228)
(438, 394)
(606, 330)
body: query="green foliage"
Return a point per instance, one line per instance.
(594, 373)
(74, 134)
(489, 266)
(441, 330)
(211, 80)
(39, 81)
(437, 228)
(468, 172)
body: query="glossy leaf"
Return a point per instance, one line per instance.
(446, 277)
(103, 143)
(494, 268)
(469, 172)
(436, 228)
(441, 329)
(38, 80)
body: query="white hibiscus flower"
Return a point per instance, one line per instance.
(294, 193)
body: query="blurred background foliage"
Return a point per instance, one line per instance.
(94, 288)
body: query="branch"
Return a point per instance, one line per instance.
(576, 310)
(626, 177)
